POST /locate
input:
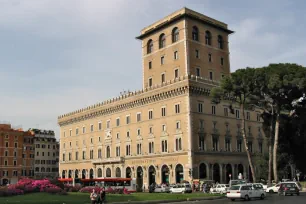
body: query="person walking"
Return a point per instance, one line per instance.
(102, 196)
(93, 197)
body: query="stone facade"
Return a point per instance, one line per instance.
(170, 130)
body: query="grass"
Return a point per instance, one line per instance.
(82, 198)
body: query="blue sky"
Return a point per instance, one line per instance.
(57, 56)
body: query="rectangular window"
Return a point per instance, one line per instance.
(76, 131)
(151, 147)
(209, 57)
(100, 126)
(248, 115)
(150, 114)
(176, 73)
(164, 128)
(138, 117)
(163, 80)
(6, 144)
(163, 111)
(118, 151)
(162, 60)
(118, 122)
(128, 150)
(213, 110)
(201, 142)
(15, 163)
(108, 124)
(164, 146)
(16, 144)
(84, 130)
(5, 163)
(69, 157)
(250, 146)
(91, 128)
(211, 77)
(128, 134)
(177, 108)
(237, 114)
(150, 81)
(138, 132)
(64, 134)
(215, 144)
(70, 132)
(127, 119)
(138, 149)
(77, 156)
(175, 55)
(198, 72)
(151, 130)
(200, 107)
(239, 146)
(84, 155)
(226, 112)
(197, 54)
(6, 153)
(227, 145)
(258, 117)
(117, 135)
(150, 65)
(222, 61)
(63, 157)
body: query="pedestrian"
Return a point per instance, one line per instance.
(144, 188)
(93, 197)
(102, 196)
(204, 187)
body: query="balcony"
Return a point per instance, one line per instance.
(108, 160)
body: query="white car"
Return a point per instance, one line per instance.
(273, 189)
(181, 188)
(219, 188)
(161, 189)
(245, 191)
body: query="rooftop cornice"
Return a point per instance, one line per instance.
(132, 99)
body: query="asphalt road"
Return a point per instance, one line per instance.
(268, 200)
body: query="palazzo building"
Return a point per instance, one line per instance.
(169, 130)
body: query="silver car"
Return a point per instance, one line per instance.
(161, 189)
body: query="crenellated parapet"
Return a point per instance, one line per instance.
(158, 92)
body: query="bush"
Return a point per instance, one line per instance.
(53, 190)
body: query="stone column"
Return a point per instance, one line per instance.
(233, 171)
(221, 173)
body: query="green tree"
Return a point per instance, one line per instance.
(239, 89)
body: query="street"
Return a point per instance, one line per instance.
(269, 199)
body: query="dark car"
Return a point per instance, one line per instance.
(288, 189)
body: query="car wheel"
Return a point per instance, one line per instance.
(232, 199)
(262, 196)
(246, 197)
(271, 191)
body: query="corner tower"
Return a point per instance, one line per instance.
(184, 42)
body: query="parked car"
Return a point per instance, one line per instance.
(181, 188)
(244, 191)
(237, 182)
(273, 189)
(161, 189)
(288, 188)
(219, 188)
(259, 186)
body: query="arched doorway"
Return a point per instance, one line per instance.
(128, 174)
(179, 173)
(139, 178)
(216, 173)
(69, 174)
(76, 173)
(118, 172)
(202, 171)
(240, 171)
(228, 172)
(152, 174)
(165, 174)
(63, 174)
(83, 174)
(91, 174)
(99, 172)
(108, 172)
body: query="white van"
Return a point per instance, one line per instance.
(244, 191)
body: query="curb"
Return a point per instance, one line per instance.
(170, 201)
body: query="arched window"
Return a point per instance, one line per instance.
(202, 171)
(48, 169)
(108, 172)
(118, 172)
(99, 172)
(108, 152)
(175, 35)
(37, 169)
(150, 46)
(162, 41)
(195, 33)
(207, 38)
(220, 42)
(42, 169)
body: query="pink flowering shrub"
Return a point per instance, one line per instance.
(88, 189)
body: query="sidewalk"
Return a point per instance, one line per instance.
(170, 201)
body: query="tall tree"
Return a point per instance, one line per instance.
(284, 84)
(238, 89)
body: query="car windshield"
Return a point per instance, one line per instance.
(234, 188)
(235, 182)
